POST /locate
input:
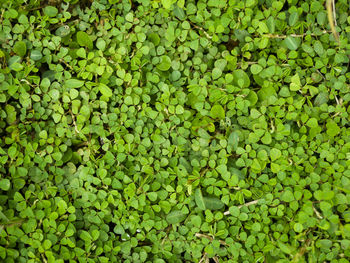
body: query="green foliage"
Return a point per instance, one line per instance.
(174, 131)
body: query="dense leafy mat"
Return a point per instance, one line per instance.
(155, 131)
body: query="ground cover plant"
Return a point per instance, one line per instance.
(174, 131)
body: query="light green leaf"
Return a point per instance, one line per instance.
(50, 11)
(216, 73)
(165, 63)
(275, 154)
(285, 248)
(5, 184)
(240, 78)
(256, 69)
(84, 235)
(175, 217)
(252, 98)
(101, 44)
(292, 42)
(293, 18)
(233, 140)
(217, 112)
(105, 90)
(167, 3)
(287, 196)
(332, 128)
(295, 83)
(36, 55)
(20, 48)
(312, 123)
(16, 66)
(199, 199)
(213, 203)
(84, 40)
(62, 31)
(298, 227)
(74, 83)
(81, 53)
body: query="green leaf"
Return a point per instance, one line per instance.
(105, 90)
(256, 69)
(295, 83)
(270, 22)
(20, 48)
(240, 78)
(216, 73)
(16, 66)
(152, 196)
(287, 196)
(74, 83)
(170, 33)
(321, 98)
(35, 55)
(101, 44)
(84, 40)
(84, 235)
(47, 244)
(154, 38)
(252, 98)
(275, 154)
(292, 42)
(129, 17)
(263, 28)
(332, 128)
(213, 203)
(165, 63)
(312, 123)
(63, 31)
(179, 12)
(293, 18)
(166, 3)
(266, 93)
(254, 113)
(285, 248)
(256, 166)
(11, 113)
(233, 140)
(50, 11)
(12, 152)
(175, 217)
(5, 184)
(196, 221)
(199, 199)
(217, 112)
(298, 227)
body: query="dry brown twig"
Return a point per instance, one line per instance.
(318, 214)
(202, 29)
(74, 123)
(294, 35)
(330, 6)
(240, 64)
(244, 205)
(334, 13)
(204, 258)
(216, 259)
(210, 238)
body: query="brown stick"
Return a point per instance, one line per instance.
(244, 205)
(330, 6)
(210, 238)
(318, 214)
(74, 123)
(293, 35)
